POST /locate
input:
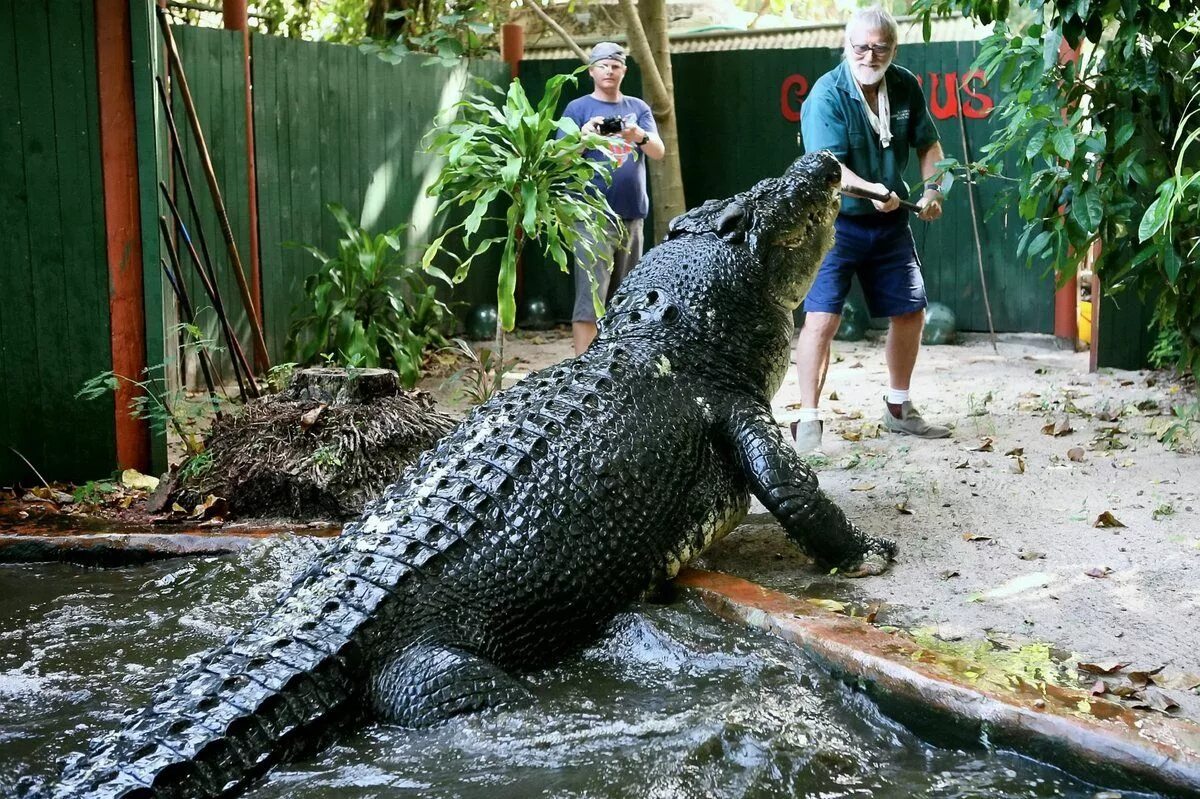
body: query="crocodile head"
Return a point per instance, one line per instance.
(786, 222)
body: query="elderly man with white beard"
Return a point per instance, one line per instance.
(871, 114)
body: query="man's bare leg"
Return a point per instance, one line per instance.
(583, 333)
(812, 354)
(903, 345)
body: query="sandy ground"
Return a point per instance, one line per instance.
(997, 525)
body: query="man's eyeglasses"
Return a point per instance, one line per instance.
(877, 49)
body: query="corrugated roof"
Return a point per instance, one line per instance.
(954, 29)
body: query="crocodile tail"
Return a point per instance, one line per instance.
(263, 698)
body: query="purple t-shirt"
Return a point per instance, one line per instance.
(627, 194)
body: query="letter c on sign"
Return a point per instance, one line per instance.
(791, 95)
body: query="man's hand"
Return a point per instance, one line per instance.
(930, 205)
(890, 204)
(591, 126)
(632, 134)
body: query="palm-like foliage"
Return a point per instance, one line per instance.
(370, 306)
(512, 155)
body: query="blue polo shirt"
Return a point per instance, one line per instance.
(833, 118)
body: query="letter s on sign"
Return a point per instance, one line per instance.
(791, 95)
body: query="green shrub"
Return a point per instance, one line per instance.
(369, 305)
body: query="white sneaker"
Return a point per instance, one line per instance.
(806, 436)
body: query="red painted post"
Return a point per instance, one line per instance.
(235, 18)
(512, 45)
(122, 224)
(233, 13)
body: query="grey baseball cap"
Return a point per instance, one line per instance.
(606, 50)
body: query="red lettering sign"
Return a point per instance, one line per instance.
(985, 106)
(943, 98)
(791, 96)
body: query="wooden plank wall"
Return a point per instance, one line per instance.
(54, 324)
(332, 124)
(725, 149)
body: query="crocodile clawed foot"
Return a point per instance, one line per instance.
(876, 560)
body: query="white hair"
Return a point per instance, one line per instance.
(875, 18)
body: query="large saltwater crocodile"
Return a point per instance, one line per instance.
(532, 523)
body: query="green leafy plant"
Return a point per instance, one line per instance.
(152, 402)
(483, 374)
(511, 154)
(370, 306)
(327, 456)
(157, 405)
(447, 31)
(279, 375)
(1103, 147)
(195, 466)
(93, 492)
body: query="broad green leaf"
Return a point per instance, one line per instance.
(1064, 143)
(1155, 217)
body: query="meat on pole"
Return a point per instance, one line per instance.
(260, 345)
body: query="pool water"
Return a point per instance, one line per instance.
(673, 703)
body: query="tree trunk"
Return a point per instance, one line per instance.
(647, 29)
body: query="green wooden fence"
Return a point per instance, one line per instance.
(734, 129)
(332, 124)
(54, 324)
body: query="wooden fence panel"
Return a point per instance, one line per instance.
(54, 327)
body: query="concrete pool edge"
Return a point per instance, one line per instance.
(1108, 742)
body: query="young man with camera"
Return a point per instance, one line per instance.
(629, 125)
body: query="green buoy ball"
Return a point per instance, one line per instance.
(535, 314)
(481, 322)
(854, 323)
(941, 327)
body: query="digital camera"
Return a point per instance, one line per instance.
(610, 125)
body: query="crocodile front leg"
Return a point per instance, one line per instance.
(787, 486)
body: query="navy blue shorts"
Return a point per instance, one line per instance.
(879, 248)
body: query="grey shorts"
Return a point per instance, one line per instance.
(621, 255)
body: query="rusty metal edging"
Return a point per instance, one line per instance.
(1124, 747)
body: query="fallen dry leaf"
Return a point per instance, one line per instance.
(1105, 667)
(1155, 699)
(833, 396)
(985, 445)
(1098, 688)
(1143, 677)
(831, 605)
(1029, 554)
(976, 537)
(946, 575)
(1098, 571)
(1060, 428)
(903, 509)
(863, 487)
(132, 478)
(1015, 452)
(962, 465)
(1076, 454)
(310, 417)
(1016, 465)
(1106, 519)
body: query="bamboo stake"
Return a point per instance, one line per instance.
(241, 367)
(177, 285)
(987, 303)
(260, 345)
